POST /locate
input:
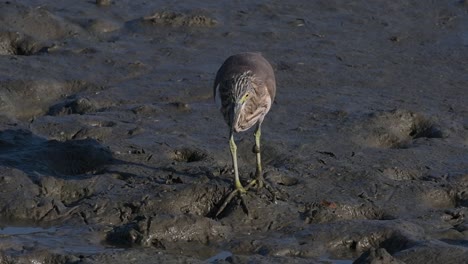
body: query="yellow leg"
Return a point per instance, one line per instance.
(258, 172)
(258, 181)
(233, 148)
(238, 188)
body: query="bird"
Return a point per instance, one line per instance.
(246, 87)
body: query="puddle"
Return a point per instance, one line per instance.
(327, 260)
(223, 255)
(11, 231)
(76, 240)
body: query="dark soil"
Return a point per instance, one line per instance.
(113, 151)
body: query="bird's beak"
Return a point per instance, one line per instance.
(235, 114)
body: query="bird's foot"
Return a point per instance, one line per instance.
(239, 192)
(259, 184)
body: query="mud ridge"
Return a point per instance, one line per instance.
(398, 128)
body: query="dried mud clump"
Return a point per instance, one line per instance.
(168, 18)
(398, 128)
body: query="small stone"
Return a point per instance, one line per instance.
(103, 2)
(395, 38)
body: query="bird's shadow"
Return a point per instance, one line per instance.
(37, 156)
(72, 159)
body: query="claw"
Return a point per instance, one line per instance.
(240, 191)
(229, 199)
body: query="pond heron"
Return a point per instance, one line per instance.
(246, 87)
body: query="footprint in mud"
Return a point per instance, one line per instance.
(25, 151)
(397, 129)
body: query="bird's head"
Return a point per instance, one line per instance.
(242, 92)
(242, 87)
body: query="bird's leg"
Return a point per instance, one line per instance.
(256, 150)
(259, 181)
(238, 188)
(237, 184)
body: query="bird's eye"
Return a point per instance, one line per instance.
(244, 98)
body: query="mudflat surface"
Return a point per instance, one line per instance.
(112, 150)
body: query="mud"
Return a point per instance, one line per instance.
(113, 151)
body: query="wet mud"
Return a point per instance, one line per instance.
(113, 151)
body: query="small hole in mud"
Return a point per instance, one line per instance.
(189, 155)
(398, 129)
(425, 130)
(156, 243)
(394, 243)
(13, 43)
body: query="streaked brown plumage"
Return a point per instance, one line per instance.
(246, 87)
(248, 67)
